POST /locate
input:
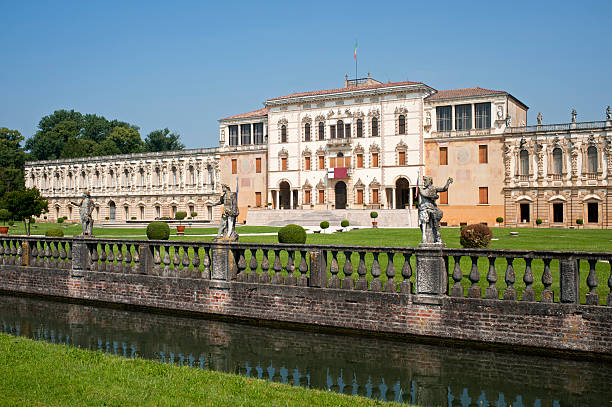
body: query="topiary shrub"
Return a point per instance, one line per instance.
(292, 234)
(344, 223)
(499, 220)
(373, 215)
(32, 220)
(180, 215)
(60, 220)
(158, 231)
(538, 222)
(11, 222)
(579, 221)
(324, 224)
(133, 218)
(4, 215)
(194, 214)
(54, 232)
(476, 236)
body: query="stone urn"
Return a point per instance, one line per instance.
(180, 230)
(4, 230)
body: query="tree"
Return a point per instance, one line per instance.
(163, 140)
(4, 215)
(12, 159)
(126, 139)
(24, 204)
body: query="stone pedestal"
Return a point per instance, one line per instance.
(569, 282)
(80, 255)
(431, 278)
(223, 262)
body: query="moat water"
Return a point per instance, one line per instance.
(406, 372)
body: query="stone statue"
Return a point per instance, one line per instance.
(574, 114)
(608, 113)
(227, 228)
(539, 118)
(429, 213)
(85, 210)
(508, 120)
(428, 119)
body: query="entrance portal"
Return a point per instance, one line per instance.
(284, 199)
(402, 193)
(111, 206)
(524, 213)
(558, 212)
(340, 190)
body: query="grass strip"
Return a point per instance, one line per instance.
(44, 374)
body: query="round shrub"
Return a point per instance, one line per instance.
(133, 218)
(579, 221)
(476, 236)
(324, 224)
(60, 220)
(373, 215)
(54, 232)
(180, 215)
(158, 231)
(11, 222)
(194, 214)
(538, 221)
(4, 215)
(344, 223)
(292, 234)
(499, 220)
(32, 220)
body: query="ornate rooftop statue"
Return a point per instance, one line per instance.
(429, 213)
(539, 117)
(574, 114)
(85, 209)
(608, 113)
(227, 227)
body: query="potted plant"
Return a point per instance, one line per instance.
(579, 222)
(538, 222)
(324, 225)
(180, 229)
(374, 215)
(4, 216)
(499, 220)
(343, 224)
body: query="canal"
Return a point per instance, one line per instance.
(407, 372)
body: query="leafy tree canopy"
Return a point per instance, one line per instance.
(12, 159)
(163, 140)
(24, 204)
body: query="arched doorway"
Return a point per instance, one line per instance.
(112, 208)
(402, 193)
(340, 190)
(284, 199)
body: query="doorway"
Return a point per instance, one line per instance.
(592, 212)
(402, 193)
(558, 213)
(284, 198)
(525, 213)
(112, 208)
(340, 190)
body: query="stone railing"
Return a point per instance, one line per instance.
(531, 276)
(558, 127)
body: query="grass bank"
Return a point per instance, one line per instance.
(38, 373)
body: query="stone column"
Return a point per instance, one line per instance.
(393, 202)
(290, 198)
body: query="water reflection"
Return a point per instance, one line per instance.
(379, 369)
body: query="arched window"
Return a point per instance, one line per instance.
(157, 176)
(340, 128)
(111, 177)
(211, 179)
(69, 180)
(283, 134)
(321, 131)
(359, 128)
(402, 124)
(142, 177)
(524, 158)
(97, 178)
(191, 175)
(174, 179)
(592, 159)
(374, 126)
(83, 180)
(126, 178)
(557, 161)
(307, 132)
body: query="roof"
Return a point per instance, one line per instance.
(351, 89)
(254, 113)
(465, 92)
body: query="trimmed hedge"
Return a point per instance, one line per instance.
(344, 223)
(60, 220)
(54, 232)
(158, 231)
(499, 220)
(476, 236)
(292, 234)
(324, 224)
(180, 215)
(373, 215)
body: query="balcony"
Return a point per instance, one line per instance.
(339, 142)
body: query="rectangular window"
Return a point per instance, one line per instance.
(375, 196)
(401, 159)
(332, 162)
(258, 165)
(234, 166)
(321, 162)
(360, 196)
(483, 154)
(284, 164)
(233, 135)
(482, 115)
(347, 130)
(374, 160)
(463, 117)
(257, 198)
(444, 197)
(359, 160)
(307, 196)
(332, 131)
(307, 163)
(443, 155)
(191, 209)
(258, 133)
(321, 196)
(483, 195)
(444, 118)
(245, 133)
(359, 128)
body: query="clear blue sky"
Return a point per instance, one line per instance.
(184, 65)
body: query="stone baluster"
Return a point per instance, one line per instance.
(69, 257)
(362, 283)
(528, 294)
(13, 245)
(128, 259)
(592, 297)
(2, 252)
(195, 273)
(390, 285)
(186, 262)
(63, 255)
(277, 266)
(334, 281)
(347, 282)
(166, 271)
(547, 294)
(93, 256)
(102, 265)
(7, 252)
(376, 285)
(264, 278)
(18, 257)
(510, 291)
(176, 263)
(56, 255)
(253, 276)
(110, 255)
(119, 267)
(206, 264)
(474, 290)
(610, 284)
(136, 258)
(457, 288)
(291, 279)
(303, 267)
(491, 292)
(241, 265)
(33, 253)
(406, 285)
(157, 269)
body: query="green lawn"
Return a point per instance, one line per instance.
(43, 374)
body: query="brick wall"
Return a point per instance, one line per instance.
(556, 326)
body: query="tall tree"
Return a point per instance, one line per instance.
(12, 159)
(163, 140)
(24, 204)
(127, 140)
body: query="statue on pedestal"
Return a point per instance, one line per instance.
(85, 210)
(227, 227)
(574, 114)
(429, 213)
(608, 113)
(539, 118)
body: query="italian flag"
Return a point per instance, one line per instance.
(355, 50)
